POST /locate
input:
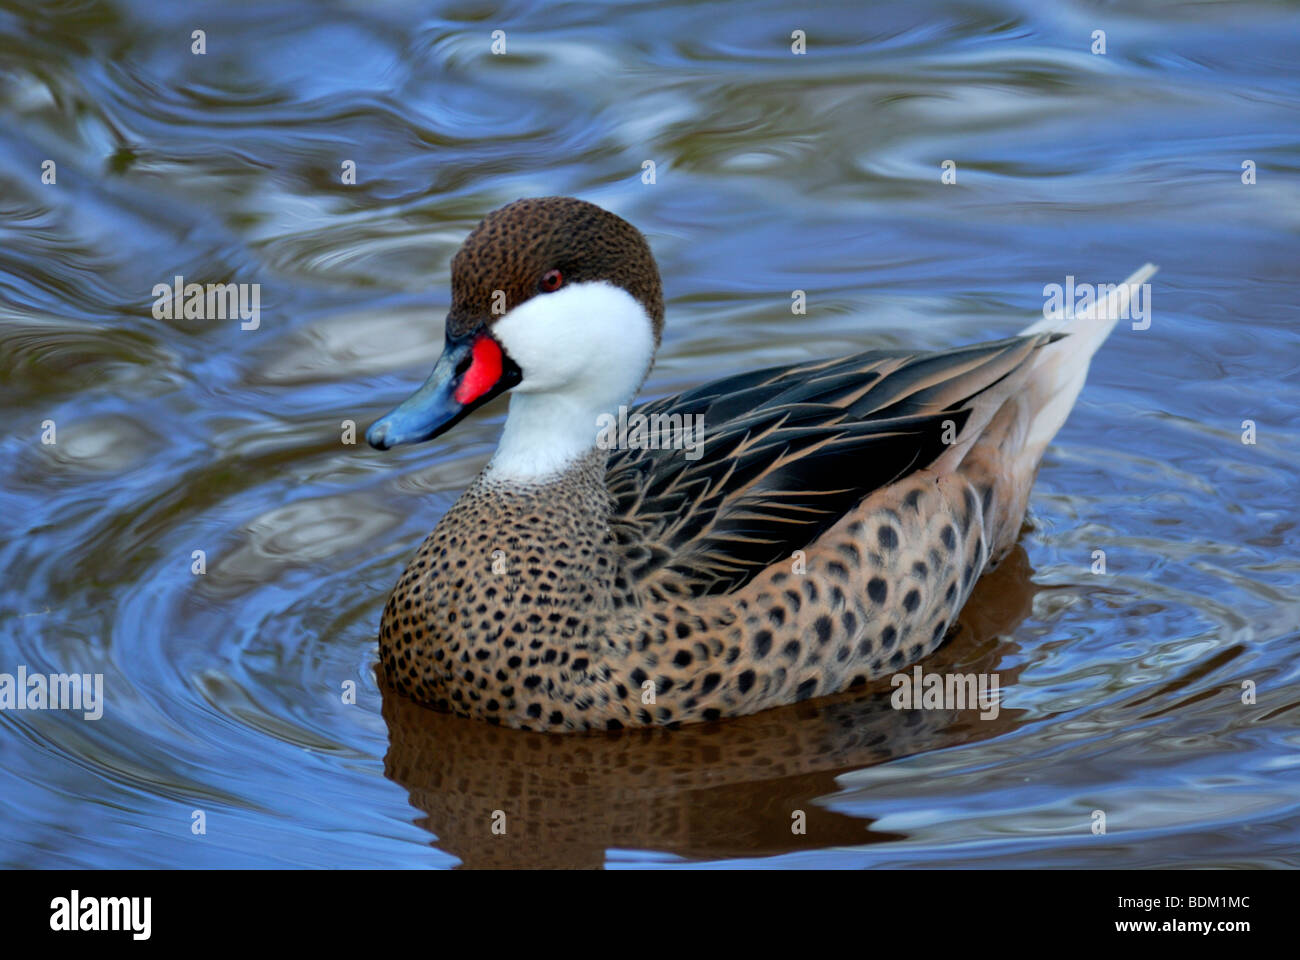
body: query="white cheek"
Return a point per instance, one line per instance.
(591, 339)
(583, 351)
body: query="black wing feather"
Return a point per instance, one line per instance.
(787, 451)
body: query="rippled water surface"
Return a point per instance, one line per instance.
(1123, 691)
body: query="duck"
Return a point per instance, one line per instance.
(821, 530)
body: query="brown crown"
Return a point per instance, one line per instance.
(516, 245)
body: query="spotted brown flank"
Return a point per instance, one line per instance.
(834, 524)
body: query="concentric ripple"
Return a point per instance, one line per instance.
(209, 533)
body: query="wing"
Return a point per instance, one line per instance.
(787, 451)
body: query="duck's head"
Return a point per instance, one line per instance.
(551, 297)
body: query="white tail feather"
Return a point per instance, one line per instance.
(1061, 368)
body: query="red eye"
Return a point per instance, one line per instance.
(551, 281)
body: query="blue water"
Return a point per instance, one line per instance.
(773, 172)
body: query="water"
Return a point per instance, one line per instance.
(774, 172)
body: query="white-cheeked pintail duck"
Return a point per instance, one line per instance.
(825, 532)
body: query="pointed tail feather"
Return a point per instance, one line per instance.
(1097, 320)
(1061, 368)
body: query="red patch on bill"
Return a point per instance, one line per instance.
(483, 372)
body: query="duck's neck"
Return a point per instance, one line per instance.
(584, 352)
(545, 435)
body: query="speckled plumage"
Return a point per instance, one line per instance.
(836, 523)
(558, 638)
